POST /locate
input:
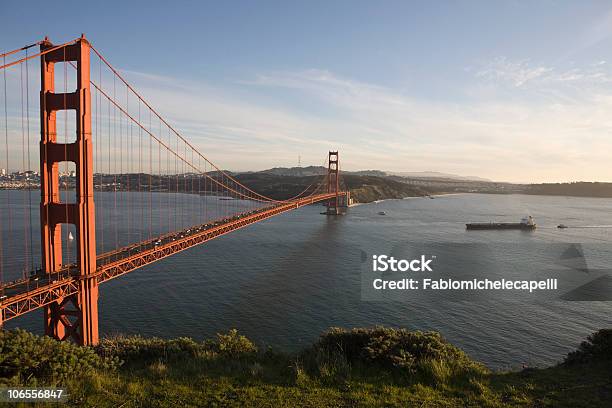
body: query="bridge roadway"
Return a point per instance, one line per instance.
(40, 289)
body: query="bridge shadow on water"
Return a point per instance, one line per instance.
(293, 295)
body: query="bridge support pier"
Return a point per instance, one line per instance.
(74, 317)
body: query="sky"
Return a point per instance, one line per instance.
(517, 91)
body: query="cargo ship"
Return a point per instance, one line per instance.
(526, 223)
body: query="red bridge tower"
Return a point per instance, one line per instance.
(333, 183)
(74, 316)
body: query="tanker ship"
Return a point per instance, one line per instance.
(526, 223)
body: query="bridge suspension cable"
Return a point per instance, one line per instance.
(29, 57)
(116, 72)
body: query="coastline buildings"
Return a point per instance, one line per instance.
(19, 179)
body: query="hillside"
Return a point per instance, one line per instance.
(364, 189)
(316, 171)
(437, 175)
(295, 171)
(378, 367)
(578, 189)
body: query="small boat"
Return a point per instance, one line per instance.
(70, 237)
(382, 213)
(561, 226)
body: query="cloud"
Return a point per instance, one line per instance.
(504, 134)
(233, 129)
(323, 84)
(524, 73)
(517, 72)
(524, 122)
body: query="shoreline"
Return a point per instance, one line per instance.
(411, 198)
(479, 193)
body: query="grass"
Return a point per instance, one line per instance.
(376, 367)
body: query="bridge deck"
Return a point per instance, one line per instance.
(42, 289)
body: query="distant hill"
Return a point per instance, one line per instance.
(316, 171)
(578, 189)
(296, 171)
(436, 175)
(363, 189)
(375, 173)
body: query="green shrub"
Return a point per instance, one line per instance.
(425, 353)
(131, 348)
(137, 348)
(331, 365)
(29, 359)
(299, 376)
(597, 347)
(233, 345)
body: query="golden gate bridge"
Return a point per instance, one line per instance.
(96, 133)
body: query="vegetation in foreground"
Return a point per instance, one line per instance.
(377, 367)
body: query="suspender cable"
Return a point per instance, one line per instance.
(98, 162)
(116, 221)
(179, 157)
(26, 269)
(30, 208)
(264, 198)
(150, 182)
(66, 169)
(8, 193)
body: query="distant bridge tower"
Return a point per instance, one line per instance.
(333, 183)
(74, 316)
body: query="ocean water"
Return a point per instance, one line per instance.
(283, 281)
